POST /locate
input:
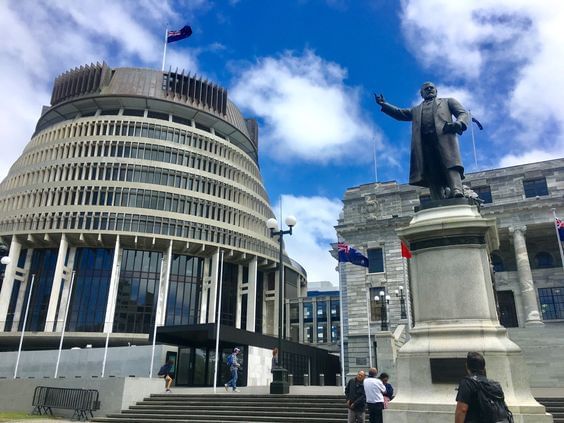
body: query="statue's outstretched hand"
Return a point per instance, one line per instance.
(379, 98)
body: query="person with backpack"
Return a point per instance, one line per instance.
(234, 366)
(167, 372)
(479, 399)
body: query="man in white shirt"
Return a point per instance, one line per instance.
(374, 390)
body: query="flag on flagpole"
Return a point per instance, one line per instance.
(349, 254)
(560, 228)
(405, 251)
(173, 36)
(478, 123)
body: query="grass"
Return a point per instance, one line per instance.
(14, 416)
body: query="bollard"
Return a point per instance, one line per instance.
(339, 381)
(306, 379)
(321, 379)
(290, 379)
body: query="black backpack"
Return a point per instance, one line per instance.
(491, 401)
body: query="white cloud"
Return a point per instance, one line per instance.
(509, 54)
(43, 39)
(307, 110)
(310, 242)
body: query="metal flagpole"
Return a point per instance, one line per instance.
(558, 238)
(473, 140)
(164, 50)
(64, 325)
(155, 325)
(368, 321)
(23, 327)
(113, 295)
(218, 319)
(342, 328)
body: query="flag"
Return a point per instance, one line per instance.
(405, 251)
(173, 36)
(478, 123)
(560, 228)
(349, 254)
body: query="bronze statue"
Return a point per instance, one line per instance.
(435, 155)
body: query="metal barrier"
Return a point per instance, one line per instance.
(82, 401)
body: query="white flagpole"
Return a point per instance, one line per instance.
(368, 321)
(64, 325)
(164, 50)
(24, 324)
(342, 328)
(558, 238)
(219, 286)
(109, 329)
(155, 325)
(473, 140)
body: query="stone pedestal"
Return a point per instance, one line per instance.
(279, 384)
(454, 313)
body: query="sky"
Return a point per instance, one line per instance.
(307, 71)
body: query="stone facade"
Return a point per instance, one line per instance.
(520, 198)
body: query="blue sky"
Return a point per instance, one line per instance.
(306, 69)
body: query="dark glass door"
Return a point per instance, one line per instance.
(507, 312)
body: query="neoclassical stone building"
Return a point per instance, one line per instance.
(528, 272)
(134, 181)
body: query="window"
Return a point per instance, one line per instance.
(375, 303)
(552, 303)
(543, 260)
(425, 198)
(484, 193)
(321, 311)
(497, 263)
(375, 260)
(535, 187)
(308, 312)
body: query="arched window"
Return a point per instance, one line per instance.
(497, 263)
(543, 260)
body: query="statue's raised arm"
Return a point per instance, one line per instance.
(435, 155)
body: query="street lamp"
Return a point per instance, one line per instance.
(403, 314)
(384, 301)
(279, 383)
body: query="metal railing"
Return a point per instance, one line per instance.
(82, 401)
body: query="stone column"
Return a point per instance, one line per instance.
(113, 289)
(21, 299)
(528, 294)
(58, 279)
(252, 296)
(67, 274)
(241, 288)
(8, 282)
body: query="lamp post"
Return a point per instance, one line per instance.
(384, 301)
(279, 384)
(400, 294)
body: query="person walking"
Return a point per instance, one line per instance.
(389, 395)
(374, 390)
(356, 400)
(234, 366)
(167, 372)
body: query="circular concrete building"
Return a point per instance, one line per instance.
(130, 187)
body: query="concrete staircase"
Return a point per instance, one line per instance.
(554, 406)
(229, 407)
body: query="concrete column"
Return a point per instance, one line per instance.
(58, 278)
(160, 316)
(528, 294)
(213, 291)
(252, 296)
(240, 292)
(8, 282)
(314, 311)
(113, 289)
(301, 317)
(205, 290)
(67, 274)
(21, 299)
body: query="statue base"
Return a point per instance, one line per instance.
(279, 384)
(454, 313)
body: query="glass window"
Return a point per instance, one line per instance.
(376, 303)
(335, 310)
(322, 311)
(375, 260)
(497, 263)
(535, 187)
(294, 312)
(484, 193)
(425, 198)
(308, 312)
(543, 260)
(185, 290)
(335, 332)
(322, 332)
(552, 303)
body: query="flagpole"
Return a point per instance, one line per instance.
(368, 321)
(473, 140)
(155, 324)
(218, 320)
(164, 50)
(558, 238)
(342, 328)
(23, 327)
(64, 325)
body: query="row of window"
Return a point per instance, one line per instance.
(97, 221)
(531, 187)
(136, 174)
(541, 260)
(133, 128)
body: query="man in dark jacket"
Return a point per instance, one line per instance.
(435, 155)
(356, 400)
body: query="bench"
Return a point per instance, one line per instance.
(82, 401)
